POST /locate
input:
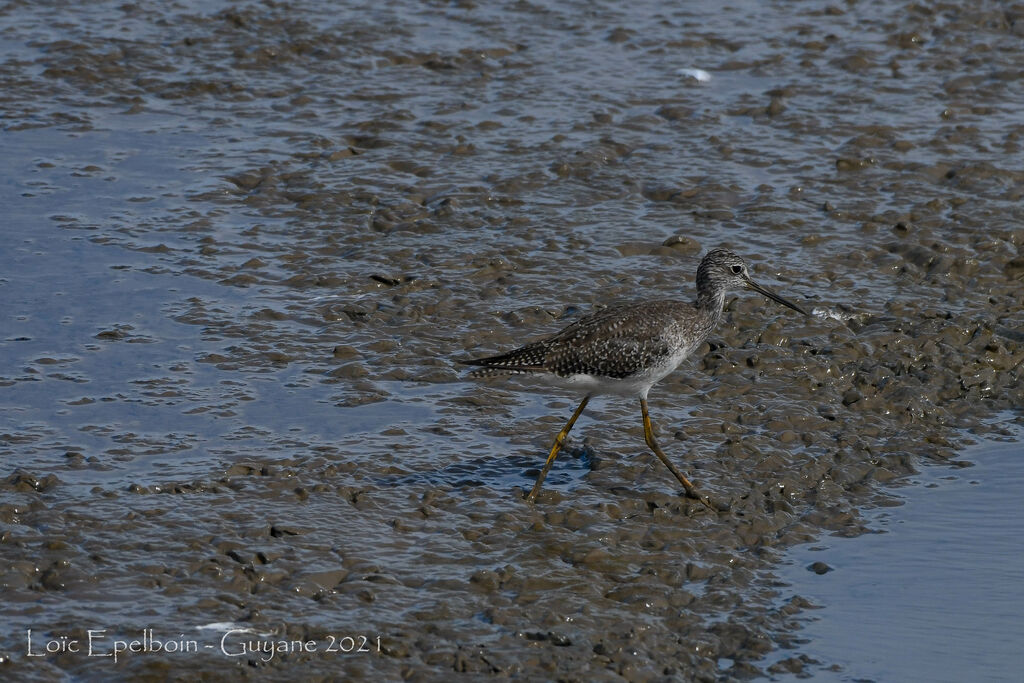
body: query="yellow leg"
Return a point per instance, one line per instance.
(691, 490)
(559, 440)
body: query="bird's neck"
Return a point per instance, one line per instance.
(710, 301)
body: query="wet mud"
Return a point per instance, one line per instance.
(247, 244)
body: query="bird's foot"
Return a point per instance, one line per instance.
(707, 502)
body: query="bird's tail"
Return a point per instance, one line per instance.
(518, 362)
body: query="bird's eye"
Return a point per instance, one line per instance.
(736, 270)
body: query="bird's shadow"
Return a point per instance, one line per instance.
(504, 472)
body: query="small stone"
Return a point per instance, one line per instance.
(559, 639)
(683, 244)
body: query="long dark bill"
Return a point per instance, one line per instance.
(774, 297)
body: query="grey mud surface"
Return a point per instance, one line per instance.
(244, 245)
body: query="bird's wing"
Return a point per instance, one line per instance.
(618, 341)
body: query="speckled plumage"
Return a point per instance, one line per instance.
(617, 343)
(627, 348)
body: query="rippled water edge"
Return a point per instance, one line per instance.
(231, 397)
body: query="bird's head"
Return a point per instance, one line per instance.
(722, 270)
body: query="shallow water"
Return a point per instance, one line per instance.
(246, 243)
(934, 593)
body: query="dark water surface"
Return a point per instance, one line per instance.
(245, 243)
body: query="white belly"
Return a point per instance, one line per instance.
(635, 385)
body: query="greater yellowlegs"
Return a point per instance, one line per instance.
(625, 349)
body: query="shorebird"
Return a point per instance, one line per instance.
(626, 349)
